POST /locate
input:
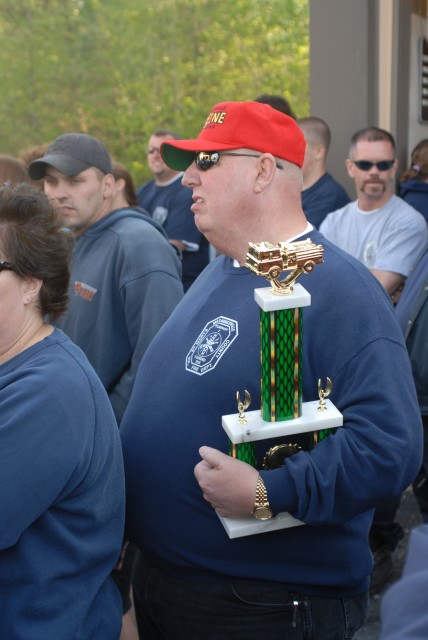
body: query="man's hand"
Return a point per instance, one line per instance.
(228, 484)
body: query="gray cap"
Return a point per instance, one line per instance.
(71, 154)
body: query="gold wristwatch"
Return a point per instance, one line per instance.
(262, 510)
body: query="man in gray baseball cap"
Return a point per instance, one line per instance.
(120, 259)
(71, 154)
(125, 275)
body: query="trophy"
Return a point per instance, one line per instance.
(282, 413)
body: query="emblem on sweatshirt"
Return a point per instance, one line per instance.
(160, 214)
(84, 290)
(211, 344)
(370, 253)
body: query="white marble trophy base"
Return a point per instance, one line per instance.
(269, 301)
(255, 428)
(239, 527)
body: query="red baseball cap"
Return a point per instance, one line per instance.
(236, 125)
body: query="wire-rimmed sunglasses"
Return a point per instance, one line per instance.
(6, 266)
(204, 160)
(366, 165)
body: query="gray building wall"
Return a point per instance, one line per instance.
(360, 73)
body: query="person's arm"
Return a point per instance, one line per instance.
(348, 472)
(398, 251)
(180, 245)
(40, 448)
(390, 281)
(148, 300)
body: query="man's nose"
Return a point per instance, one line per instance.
(374, 170)
(56, 192)
(191, 176)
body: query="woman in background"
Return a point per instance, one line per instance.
(61, 472)
(414, 181)
(12, 171)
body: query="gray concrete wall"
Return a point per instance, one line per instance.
(417, 130)
(342, 68)
(353, 86)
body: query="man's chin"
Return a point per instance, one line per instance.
(199, 224)
(374, 190)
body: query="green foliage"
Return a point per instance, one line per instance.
(120, 69)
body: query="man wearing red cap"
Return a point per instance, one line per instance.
(308, 581)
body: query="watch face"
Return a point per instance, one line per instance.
(262, 513)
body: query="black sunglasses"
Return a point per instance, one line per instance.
(204, 160)
(6, 266)
(366, 165)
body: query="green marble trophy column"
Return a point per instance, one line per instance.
(281, 364)
(281, 372)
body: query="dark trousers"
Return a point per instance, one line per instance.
(123, 577)
(385, 531)
(170, 608)
(420, 484)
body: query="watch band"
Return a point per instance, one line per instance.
(262, 509)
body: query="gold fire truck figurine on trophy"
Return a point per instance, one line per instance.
(270, 260)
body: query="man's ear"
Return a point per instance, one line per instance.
(394, 169)
(320, 151)
(267, 167)
(350, 167)
(108, 185)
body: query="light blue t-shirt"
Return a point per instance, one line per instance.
(389, 238)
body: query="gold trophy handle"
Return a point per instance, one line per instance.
(324, 393)
(242, 406)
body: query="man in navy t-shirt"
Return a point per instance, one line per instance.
(321, 193)
(168, 202)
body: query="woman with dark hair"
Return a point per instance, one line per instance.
(12, 171)
(61, 473)
(124, 183)
(414, 181)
